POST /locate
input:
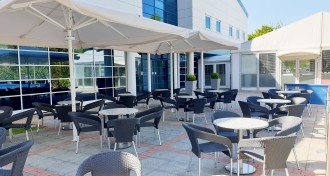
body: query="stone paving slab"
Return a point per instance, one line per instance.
(55, 155)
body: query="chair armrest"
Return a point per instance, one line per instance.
(216, 139)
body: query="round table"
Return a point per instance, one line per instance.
(288, 91)
(274, 101)
(159, 90)
(118, 111)
(67, 102)
(187, 96)
(125, 94)
(241, 124)
(216, 91)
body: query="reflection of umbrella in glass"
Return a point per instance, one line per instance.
(77, 24)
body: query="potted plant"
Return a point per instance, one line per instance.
(215, 81)
(190, 84)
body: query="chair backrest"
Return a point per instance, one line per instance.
(295, 110)
(223, 114)
(291, 125)
(266, 95)
(228, 96)
(119, 91)
(7, 112)
(97, 104)
(128, 101)
(112, 106)
(212, 100)
(77, 99)
(93, 122)
(107, 97)
(3, 134)
(191, 132)
(199, 105)
(273, 91)
(150, 114)
(298, 100)
(17, 155)
(124, 129)
(62, 113)
(28, 114)
(166, 94)
(44, 107)
(110, 163)
(144, 96)
(253, 99)
(277, 150)
(245, 108)
(176, 91)
(235, 92)
(198, 94)
(167, 100)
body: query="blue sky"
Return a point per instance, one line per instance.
(272, 12)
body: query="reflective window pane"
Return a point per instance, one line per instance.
(60, 71)
(8, 57)
(59, 59)
(249, 71)
(33, 58)
(34, 72)
(9, 73)
(208, 22)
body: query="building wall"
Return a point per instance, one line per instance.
(191, 14)
(128, 6)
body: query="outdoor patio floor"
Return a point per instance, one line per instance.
(55, 155)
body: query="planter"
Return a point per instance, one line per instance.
(190, 87)
(215, 84)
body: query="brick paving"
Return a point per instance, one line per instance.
(54, 155)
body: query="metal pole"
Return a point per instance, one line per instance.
(70, 38)
(171, 71)
(149, 72)
(202, 71)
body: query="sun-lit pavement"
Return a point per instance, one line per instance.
(55, 155)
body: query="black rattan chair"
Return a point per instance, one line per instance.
(44, 110)
(229, 133)
(168, 103)
(124, 130)
(3, 134)
(97, 104)
(213, 143)
(15, 121)
(149, 118)
(63, 116)
(197, 106)
(16, 155)
(86, 123)
(225, 97)
(110, 164)
(128, 101)
(143, 99)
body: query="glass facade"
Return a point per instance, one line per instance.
(218, 26)
(161, 10)
(42, 75)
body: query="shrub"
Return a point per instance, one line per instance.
(215, 75)
(191, 77)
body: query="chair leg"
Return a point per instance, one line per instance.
(101, 142)
(215, 159)
(263, 169)
(27, 135)
(10, 134)
(160, 141)
(109, 143)
(295, 156)
(272, 172)
(139, 136)
(286, 172)
(194, 118)
(135, 150)
(59, 128)
(77, 146)
(163, 115)
(205, 118)
(115, 147)
(302, 131)
(231, 166)
(199, 166)
(38, 125)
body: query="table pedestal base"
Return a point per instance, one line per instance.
(121, 145)
(245, 168)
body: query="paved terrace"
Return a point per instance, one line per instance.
(55, 155)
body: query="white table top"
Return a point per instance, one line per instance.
(2, 111)
(274, 101)
(66, 102)
(125, 94)
(288, 91)
(216, 91)
(187, 96)
(118, 111)
(241, 123)
(92, 101)
(160, 90)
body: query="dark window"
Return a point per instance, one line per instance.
(161, 10)
(207, 22)
(267, 67)
(218, 26)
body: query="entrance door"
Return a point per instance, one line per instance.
(298, 71)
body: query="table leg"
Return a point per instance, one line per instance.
(244, 168)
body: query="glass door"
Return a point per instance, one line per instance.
(221, 69)
(307, 71)
(208, 71)
(288, 72)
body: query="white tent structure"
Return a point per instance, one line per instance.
(197, 41)
(77, 24)
(309, 35)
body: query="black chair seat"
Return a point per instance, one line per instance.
(147, 124)
(187, 109)
(259, 114)
(210, 147)
(257, 154)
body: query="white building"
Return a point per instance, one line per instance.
(298, 53)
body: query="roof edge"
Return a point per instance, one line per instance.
(243, 8)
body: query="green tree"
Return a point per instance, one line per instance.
(155, 17)
(263, 30)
